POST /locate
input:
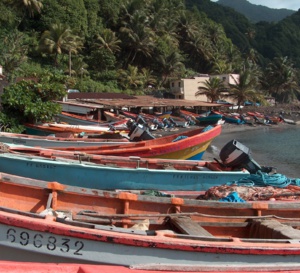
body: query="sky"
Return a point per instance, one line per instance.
(276, 4)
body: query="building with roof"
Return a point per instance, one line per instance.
(186, 88)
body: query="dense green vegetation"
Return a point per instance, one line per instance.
(136, 47)
(269, 40)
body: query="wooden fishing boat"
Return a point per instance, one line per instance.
(50, 222)
(263, 119)
(209, 119)
(130, 173)
(76, 119)
(163, 115)
(88, 119)
(189, 144)
(52, 141)
(272, 120)
(247, 119)
(231, 118)
(290, 121)
(180, 122)
(56, 128)
(188, 113)
(89, 128)
(148, 117)
(13, 267)
(255, 114)
(113, 117)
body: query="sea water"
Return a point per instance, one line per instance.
(273, 146)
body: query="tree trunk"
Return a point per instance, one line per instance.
(70, 63)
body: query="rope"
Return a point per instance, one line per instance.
(262, 179)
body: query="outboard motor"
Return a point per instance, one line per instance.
(172, 121)
(139, 132)
(182, 124)
(167, 123)
(159, 124)
(235, 154)
(141, 120)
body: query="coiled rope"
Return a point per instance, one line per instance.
(262, 179)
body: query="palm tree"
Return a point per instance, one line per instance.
(79, 67)
(107, 40)
(138, 37)
(147, 78)
(199, 49)
(58, 40)
(188, 26)
(216, 32)
(281, 80)
(244, 89)
(169, 64)
(73, 45)
(27, 6)
(130, 78)
(212, 89)
(252, 55)
(220, 66)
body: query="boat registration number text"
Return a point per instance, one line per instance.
(49, 242)
(40, 165)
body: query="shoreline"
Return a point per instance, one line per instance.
(231, 131)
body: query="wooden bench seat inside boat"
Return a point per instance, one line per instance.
(187, 226)
(272, 229)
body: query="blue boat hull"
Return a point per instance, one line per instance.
(210, 119)
(110, 178)
(233, 120)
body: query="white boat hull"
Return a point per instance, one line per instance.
(36, 245)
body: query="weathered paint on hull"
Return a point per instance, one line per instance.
(33, 229)
(192, 153)
(192, 145)
(35, 142)
(110, 178)
(232, 120)
(38, 132)
(46, 267)
(44, 236)
(213, 119)
(76, 121)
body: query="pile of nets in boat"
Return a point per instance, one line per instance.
(259, 186)
(234, 193)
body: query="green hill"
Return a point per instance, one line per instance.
(256, 13)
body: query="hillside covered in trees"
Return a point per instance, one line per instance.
(257, 13)
(137, 47)
(269, 40)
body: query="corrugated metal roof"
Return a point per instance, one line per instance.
(144, 101)
(99, 96)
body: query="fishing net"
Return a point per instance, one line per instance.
(247, 193)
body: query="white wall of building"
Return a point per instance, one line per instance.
(186, 88)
